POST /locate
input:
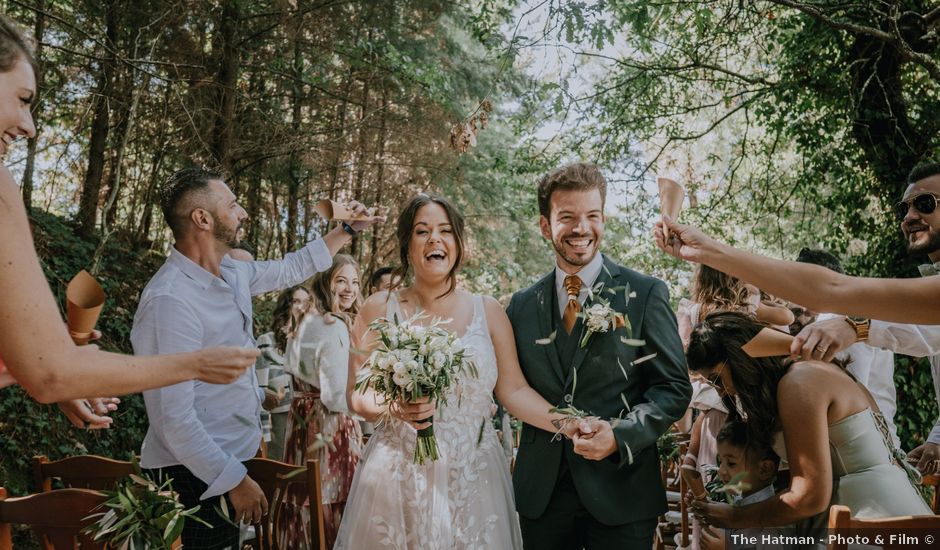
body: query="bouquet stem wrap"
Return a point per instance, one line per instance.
(426, 444)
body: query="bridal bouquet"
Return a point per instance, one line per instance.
(414, 361)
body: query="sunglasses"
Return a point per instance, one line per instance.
(924, 204)
(715, 379)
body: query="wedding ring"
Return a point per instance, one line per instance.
(821, 349)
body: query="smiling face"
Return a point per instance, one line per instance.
(17, 89)
(345, 287)
(432, 249)
(922, 231)
(575, 226)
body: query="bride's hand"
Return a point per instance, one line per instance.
(684, 242)
(414, 412)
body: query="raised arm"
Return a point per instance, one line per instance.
(812, 286)
(40, 354)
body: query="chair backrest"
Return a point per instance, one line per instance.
(80, 472)
(274, 477)
(842, 523)
(57, 518)
(933, 480)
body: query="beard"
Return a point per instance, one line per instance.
(573, 259)
(225, 235)
(922, 249)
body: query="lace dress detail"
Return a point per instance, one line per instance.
(464, 499)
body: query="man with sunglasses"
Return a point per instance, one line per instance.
(919, 221)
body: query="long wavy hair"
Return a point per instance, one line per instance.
(406, 222)
(282, 318)
(718, 291)
(718, 339)
(322, 290)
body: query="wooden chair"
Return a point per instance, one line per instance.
(57, 518)
(842, 523)
(80, 472)
(273, 477)
(933, 480)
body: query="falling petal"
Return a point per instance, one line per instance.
(643, 359)
(547, 341)
(632, 342)
(245, 421)
(624, 399)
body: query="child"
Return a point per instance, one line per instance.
(752, 469)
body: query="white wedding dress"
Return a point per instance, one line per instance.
(464, 500)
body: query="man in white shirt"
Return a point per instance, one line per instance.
(200, 434)
(919, 221)
(872, 366)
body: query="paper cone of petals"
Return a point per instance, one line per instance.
(768, 343)
(332, 210)
(671, 195)
(85, 298)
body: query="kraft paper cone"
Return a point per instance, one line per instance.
(85, 298)
(332, 210)
(671, 195)
(768, 343)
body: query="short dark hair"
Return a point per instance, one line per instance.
(177, 187)
(580, 176)
(923, 170)
(734, 432)
(820, 257)
(13, 46)
(378, 274)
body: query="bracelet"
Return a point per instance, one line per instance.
(349, 229)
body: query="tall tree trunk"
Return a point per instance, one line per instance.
(146, 222)
(38, 32)
(379, 177)
(124, 130)
(356, 247)
(91, 187)
(339, 142)
(295, 176)
(226, 81)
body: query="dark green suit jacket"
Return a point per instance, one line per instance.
(626, 486)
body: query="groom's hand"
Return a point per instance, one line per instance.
(597, 445)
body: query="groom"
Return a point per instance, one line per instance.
(602, 490)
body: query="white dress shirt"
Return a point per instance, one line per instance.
(916, 341)
(874, 368)
(588, 275)
(752, 538)
(209, 428)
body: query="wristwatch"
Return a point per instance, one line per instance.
(349, 229)
(861, 326)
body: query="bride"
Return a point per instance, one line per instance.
(464, 499)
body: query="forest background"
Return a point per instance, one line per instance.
(791, 123)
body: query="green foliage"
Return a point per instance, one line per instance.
(917, 403)
(139, 514)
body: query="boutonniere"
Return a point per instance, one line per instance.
(600, 317)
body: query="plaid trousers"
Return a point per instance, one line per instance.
(223, 533)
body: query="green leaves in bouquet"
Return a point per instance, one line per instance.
(141, 514)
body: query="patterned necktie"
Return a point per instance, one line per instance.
(573, 288)
(926, 270)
